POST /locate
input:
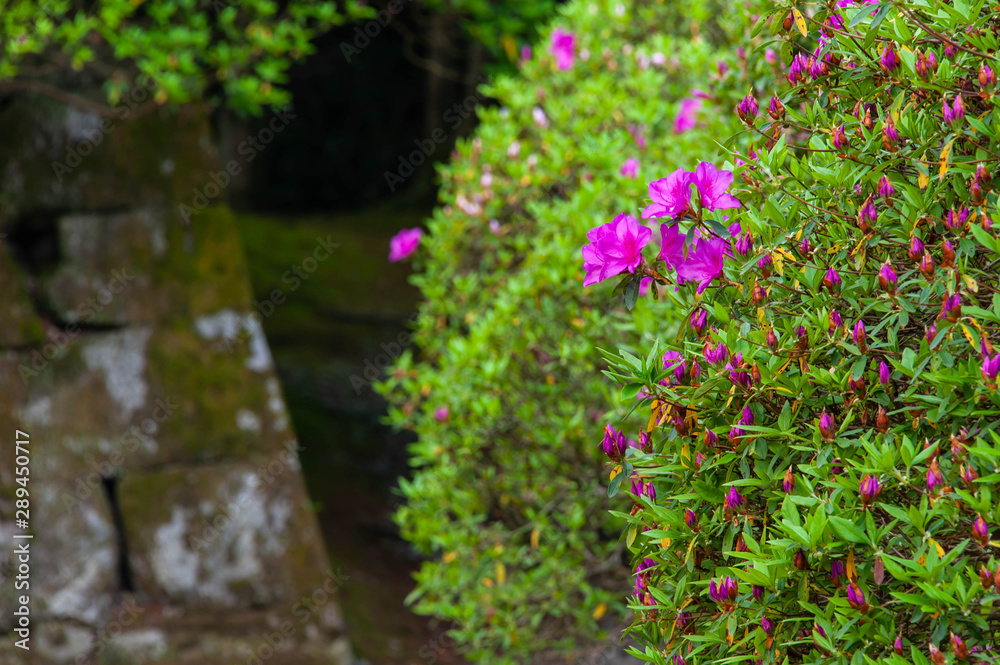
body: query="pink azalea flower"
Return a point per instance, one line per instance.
(687, 117)
(614, 248)
(703, 263)
(563, 48)
(672, 247)
(403, 244)
(671, 195)
(630, 169)
(712, 185)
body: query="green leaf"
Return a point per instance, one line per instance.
(847, 530)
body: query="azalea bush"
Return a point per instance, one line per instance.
(813, 479)
(502, 386)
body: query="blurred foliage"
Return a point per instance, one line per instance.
(179, 50)
(502, 27)
(506, 495)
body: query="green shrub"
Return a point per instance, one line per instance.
(505, 498)
(190, 49)
(821, 489)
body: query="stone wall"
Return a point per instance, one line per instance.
(170, 520)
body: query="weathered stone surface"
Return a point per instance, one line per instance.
(147, 266)
(21, 324)
(235, 535)
(50, 160)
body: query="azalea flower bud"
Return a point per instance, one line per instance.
(772, 339)
(867, 215)
(950, 50)
(889, 61)
(682, 619)
(804, 247)
(759, 295)
(959, 647)
(882, 420)
(890, 137)
(747, 109)
(695, 370)
(951, 308)
(987, 77)
(699, 318)
(897, 646)
(755, 374)
(691, 519)
(985, 577)
(969, 474)
(835, 321)
(976, 192)
(926, 64)
(711, 439)
(990, 368)
(764, 263)
(740, 545)
(698, 461)
(827, 426)
(985, 222)
(614, 443)
(884, 374)
(800, 561)
(981, 531)
(856, 597)
(983, 177)
(766, 624)
(734, 501)
(832, 281)
(926, 266)
(934, 477)
(758, 592)
(916, 250)
(948, 254)
(930, 332)
(937, 658)
(860, 339)
(839, 138)
(803, 336)
(715, 355)
(744, 244)
(856, 386)
(788, 484)
(867, 121)
(958, 108)
(776, 109)
(798, 70)
(680, 426)
(870, 489)
(735, 434)
(887, 278)
(885, 188)
(787, 23)
(679, 659)
(956, 220)
(837, 572)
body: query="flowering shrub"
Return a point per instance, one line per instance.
(505, 500)
(819, 443)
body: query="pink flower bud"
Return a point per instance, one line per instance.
(981, 531)
(870, 489)
(883, 373)
(887, 278)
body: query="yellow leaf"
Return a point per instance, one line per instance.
(501, 573)
(665, 543)
(943, 168)
(800, 22)
(599, 611)
(535, 533)
(852, 574)
(449, 557)
(970, 284)
(923, 180)
(488, 582)
(685, 457)
(940, 550)
(631, 536)
(549, 379)
(922, 561)
(968, 336)
(615, 471)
